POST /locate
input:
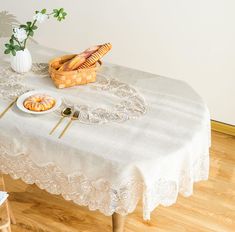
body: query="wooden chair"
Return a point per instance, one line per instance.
(5, 222)
(6, 215)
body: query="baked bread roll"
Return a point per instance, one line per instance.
(88, 52)
(60, 62)
(78, 60)
(97, 55)
(73, 63)
(39, 102)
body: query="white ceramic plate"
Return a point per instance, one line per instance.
(22, 98)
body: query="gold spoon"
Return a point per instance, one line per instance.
(64, 113)
(74, 117)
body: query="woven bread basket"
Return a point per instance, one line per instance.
(65, 79)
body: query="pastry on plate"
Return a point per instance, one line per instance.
(39, 102)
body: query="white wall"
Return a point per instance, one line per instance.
(192, 40)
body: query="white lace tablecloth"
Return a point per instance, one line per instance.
(141, 137)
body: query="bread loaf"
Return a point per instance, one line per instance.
(78, 60)
(97, 55)
(85, 59)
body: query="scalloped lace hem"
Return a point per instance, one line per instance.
(99, 194)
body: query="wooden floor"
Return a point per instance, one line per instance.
(211, 208)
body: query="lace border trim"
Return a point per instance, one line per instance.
(99, 194)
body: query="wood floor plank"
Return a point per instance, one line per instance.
(210, 209)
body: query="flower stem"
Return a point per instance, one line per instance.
(17, 42)
(34, 22)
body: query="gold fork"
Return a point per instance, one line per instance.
(64, 113)
(8, 107)
(74, 117)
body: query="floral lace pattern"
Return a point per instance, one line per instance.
(40, 68)
(99, 194)
(11, 84)
(96, 194)
(130, 106)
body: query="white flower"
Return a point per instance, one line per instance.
(20, 34)
(40, 17)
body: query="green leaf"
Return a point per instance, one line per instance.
(28, 24)
(13, 52)
(64, 14)
(56, 13)
(17, 48)
(31, 33)
(7, 51)
(43, 11)
(11, 41)
(23, 26)
(34, 27)
(7, 45)
(36, 11)
(61, 10)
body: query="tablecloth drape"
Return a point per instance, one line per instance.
(111, 166)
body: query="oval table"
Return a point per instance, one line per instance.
(141, 137)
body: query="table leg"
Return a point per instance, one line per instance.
(12, 217)
(118, 222)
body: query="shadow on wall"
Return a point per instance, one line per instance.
(7, 22)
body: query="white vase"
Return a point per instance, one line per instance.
(22, 61)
